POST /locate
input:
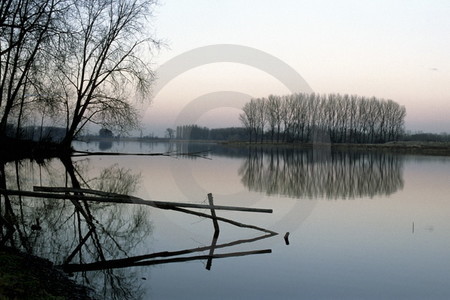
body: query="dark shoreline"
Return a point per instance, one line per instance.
(400, 147)
(15, 149)
(416, 148)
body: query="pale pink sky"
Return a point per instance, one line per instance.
(397, 50)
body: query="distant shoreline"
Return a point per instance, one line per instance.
(422, 148)
(400, 147)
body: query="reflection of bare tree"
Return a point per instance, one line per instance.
(294, 173)
(105, 231)
(96, 232)
(195, 149)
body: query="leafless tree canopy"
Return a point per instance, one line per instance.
(74, 62)
(341, 118)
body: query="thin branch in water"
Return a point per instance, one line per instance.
(199, 154)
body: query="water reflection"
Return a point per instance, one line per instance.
(165, 257)
(96, 241)
(74, 230)
(105, 145)
(303, 173)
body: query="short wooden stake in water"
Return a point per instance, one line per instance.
(286, 238)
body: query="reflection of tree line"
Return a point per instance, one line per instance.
(318, 173)
(214, 149)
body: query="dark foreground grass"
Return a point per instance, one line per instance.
(25, 276)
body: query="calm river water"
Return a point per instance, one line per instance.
(361, 225)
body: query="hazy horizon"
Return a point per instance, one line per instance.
(390, 50)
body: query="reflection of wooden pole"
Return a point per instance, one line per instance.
(211, 251)
(78, 248)
(103, 265)
(130, 261)
(213, 213)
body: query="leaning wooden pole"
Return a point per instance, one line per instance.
(213, 213)
(216, 233)
(225, 220)
(130, 200)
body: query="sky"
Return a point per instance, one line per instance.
(398, 50)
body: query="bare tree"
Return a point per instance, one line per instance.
(170, 133)
(261, 117)
(274, 115)
(249, 117)
(270, 114)
(27, 26)
(104, 54)
(337, 118)
(288, 115)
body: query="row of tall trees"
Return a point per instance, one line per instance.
(335, 118)
(73, 62)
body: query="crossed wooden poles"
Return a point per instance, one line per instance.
(75, 194)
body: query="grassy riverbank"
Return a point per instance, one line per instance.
(419, 148)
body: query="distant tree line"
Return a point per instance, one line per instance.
(340, 118)
(39, 133)
(426, 137)
(195, 132)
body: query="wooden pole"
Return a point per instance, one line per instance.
(134, 259)
(78, 248)
(131, 200)
(216, 232)
(196, 213)
(213, 213)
